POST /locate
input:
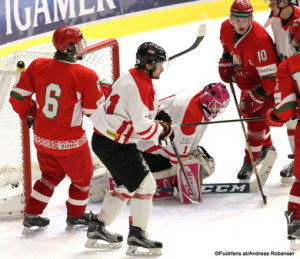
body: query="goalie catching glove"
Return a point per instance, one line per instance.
(167, 135)
(253, 100)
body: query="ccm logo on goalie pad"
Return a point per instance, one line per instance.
(225, 188)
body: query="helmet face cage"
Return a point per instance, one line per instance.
(150, 53)
(215, 98)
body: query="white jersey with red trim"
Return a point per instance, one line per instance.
(127, 116)
(183, 108)
(281, 35)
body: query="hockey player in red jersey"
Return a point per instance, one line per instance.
(284, 12)
(287, 105)
(126, 118)
(184, 108)
(64, 92)
(250, 60)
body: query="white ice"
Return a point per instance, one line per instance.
(228, 223)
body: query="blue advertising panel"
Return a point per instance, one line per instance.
(20, 19)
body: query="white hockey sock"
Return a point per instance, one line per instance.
(140, 211)
(111, 208)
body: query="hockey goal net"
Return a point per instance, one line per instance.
(18, 164)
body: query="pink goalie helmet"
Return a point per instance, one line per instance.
(214, 99)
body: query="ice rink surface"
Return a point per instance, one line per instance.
(222, 225)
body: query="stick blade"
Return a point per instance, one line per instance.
(202, 30)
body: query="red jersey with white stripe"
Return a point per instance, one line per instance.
(288, 88)
(64, 91)
(253, 52)
(183, 108)
(127, 116)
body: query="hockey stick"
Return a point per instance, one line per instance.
(200, 36)
(225, 121)
(264, 197)
(183, 171)
(223, 188)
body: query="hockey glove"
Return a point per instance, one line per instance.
(31, 114)
(167, 135)
(253, 100)
(162, 115)
(272, 119)
(105, 87)
(226, 70)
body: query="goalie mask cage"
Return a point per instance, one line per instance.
(18, 164)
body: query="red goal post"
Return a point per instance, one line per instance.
(18, 165)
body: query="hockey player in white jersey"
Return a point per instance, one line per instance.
(284, 12)
(126, 117)
(184, 108)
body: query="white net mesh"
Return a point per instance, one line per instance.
(11, 161)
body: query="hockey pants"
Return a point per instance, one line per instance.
(78, 167)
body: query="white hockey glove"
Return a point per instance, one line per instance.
(207, 162)
(167, 135)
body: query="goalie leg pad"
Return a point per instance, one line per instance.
(191, 189)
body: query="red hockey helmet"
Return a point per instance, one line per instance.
(241, 8)
(214, 99)
(66, 35)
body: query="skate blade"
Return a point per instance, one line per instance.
(94, 243)
(294, 245)
(76, 227)
(141, 251)
(287, 180)
(28, 231)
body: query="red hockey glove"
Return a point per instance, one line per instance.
(226, 70)
(253, 100)
(167, 135)
(272, 119)
(105, 87)
(31, 114)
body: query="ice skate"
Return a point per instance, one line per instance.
(78, 223)
(293, 230)
(140, 245)
(246, 171)
(263, 154)
(287, 172)
(99, 237)
(34, 224)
